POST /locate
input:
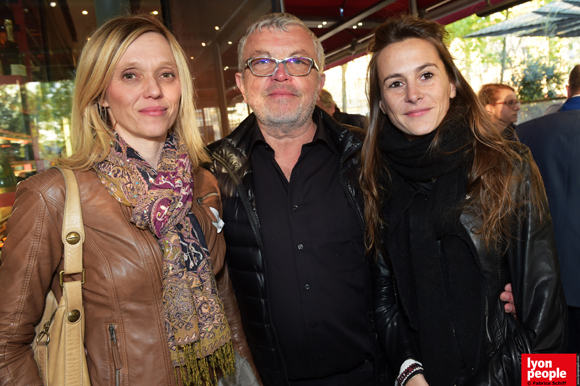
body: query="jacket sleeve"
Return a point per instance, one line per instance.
(228, 297)
(541, 324)
(394, 334)
(30, 258)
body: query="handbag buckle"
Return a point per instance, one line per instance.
(44, 331)
(61, 278)
(41, 335)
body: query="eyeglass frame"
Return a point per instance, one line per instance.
(513, 101)
(283, 61)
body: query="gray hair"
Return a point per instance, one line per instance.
(279, 22)
(326, 99)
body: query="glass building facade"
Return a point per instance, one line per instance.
(40, 43)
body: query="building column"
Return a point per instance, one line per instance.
(221, 90)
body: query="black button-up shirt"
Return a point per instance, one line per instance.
(314, 254)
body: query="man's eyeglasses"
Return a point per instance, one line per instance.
(511, 103)
(295, 65)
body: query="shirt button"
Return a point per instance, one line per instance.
(307, 287)
(295, 207)
(300, 246)
(313, 326)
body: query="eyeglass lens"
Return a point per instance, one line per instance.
(513, 103)
(295, 66)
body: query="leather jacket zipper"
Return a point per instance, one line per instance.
(200, 200)
(347, 153)
(116, 354)
(253, 218)
(491, 347)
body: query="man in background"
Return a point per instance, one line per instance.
(326, 103)
(554, 140)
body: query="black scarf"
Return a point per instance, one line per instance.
(436, 265)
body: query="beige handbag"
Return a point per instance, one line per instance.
(59, 343)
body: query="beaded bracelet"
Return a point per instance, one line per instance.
(409, 372)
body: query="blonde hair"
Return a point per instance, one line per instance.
(326, 99)
(91, 135)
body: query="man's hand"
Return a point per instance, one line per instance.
(508, 297)
(417, 380)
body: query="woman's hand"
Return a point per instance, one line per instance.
(417, 380)
(508, 297)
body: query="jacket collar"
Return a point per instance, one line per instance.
(571, 104)
(346, 139)
(342, 136)
(320, 134)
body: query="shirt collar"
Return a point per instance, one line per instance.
(320, 135)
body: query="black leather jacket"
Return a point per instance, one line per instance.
(530, 264)
(247, 266)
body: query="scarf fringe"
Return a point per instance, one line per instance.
(195, 371)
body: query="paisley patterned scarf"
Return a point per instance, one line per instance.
(198, 333)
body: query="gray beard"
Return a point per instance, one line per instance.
(283, 125)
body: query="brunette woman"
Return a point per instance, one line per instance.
(458, 212)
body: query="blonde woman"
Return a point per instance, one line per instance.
(151, 217)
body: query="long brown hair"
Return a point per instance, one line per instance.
(90, 130)
(491, 179)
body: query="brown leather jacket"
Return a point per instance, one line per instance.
(122, 294)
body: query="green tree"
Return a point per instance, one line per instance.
(488, 49)
(494, 51)
(535, 76)
(49, 107)
(11, 109)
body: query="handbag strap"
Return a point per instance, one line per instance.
(73, 237)
(73, 230)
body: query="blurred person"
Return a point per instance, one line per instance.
(554, 108)
(8, 52)
(573, 90)
(429, 161)
(327, 103)
(153, 241)
(501, 102)
(554, 141)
